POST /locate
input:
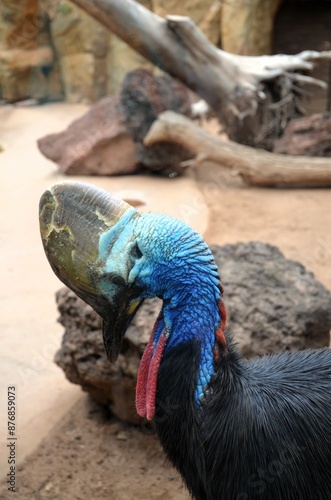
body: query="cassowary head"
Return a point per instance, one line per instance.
(113, 258)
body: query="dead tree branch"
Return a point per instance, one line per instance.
(256, 167)
(237, 88)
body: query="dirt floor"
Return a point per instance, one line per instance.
(90, 454)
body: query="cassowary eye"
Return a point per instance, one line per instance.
(136, 253)
(116, 280)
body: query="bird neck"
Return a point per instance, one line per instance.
(197, 315)
(195, 350)
(193, 313)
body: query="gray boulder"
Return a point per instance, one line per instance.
(273, 304)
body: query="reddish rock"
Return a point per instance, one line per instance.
(308, 136)
(108, 139)
(98, 143)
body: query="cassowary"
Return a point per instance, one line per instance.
(234, 429)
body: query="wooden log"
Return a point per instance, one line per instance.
(256, 167)
(178, 47)
(232, 85)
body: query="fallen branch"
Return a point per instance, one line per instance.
(256, 167)
(239, 89)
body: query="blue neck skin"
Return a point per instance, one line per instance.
(190, 311)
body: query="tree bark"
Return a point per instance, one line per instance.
(253, 97)
(256, 167)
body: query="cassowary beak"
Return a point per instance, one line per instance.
(73, 217)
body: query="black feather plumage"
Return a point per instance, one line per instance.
(264, 433)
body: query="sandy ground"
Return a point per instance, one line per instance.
(297, 221)
(85, 453)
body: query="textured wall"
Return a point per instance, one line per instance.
(51, 49)
(28, 66)
(81, 46)
(247, 26)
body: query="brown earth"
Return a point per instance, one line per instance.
(90, 454)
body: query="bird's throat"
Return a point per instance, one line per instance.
(151, 360)
(148, 374)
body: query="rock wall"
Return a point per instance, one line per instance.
(247, 27)
(205, 14)
(301, 26)
(51, 49)
(28, 64)
(81, 45)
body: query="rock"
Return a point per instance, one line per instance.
(205, 14)
(98, 143)
(122, 59)
(19, 60)
(82, 355)
(74, 31)
(308, 136)
(81, 44)
(273, 304)
(108, 140)
(28, 68)
(247, 27)
(79, 76)
(89, 61)
(145, 95)
(210, 23)
(18, 66)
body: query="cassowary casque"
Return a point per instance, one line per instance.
(234, 429)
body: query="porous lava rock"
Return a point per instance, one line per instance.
(273, 304)
(83, 359)
(308, 136)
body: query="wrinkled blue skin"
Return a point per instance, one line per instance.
(167, 259)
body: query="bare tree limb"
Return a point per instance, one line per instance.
(266, 68)
(176, 46)
(234, 86)
(256, 167)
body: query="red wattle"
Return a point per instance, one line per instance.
(141, 388)
(147, 376)
(220, 331)
(152, 376)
